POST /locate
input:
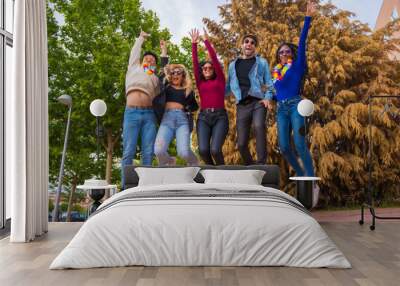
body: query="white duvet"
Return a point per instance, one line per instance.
(202, 231)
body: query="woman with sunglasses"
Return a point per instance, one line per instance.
(288, 77)
(174, 105)
(212, 122)
(249, 80)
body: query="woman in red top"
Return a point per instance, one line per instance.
(212, 122)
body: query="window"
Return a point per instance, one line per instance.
(9, 15)
(6, 66)
(2, 195)
(8, 72)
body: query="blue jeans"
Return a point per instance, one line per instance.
(289, 119)
(143, 123)
(174, 123)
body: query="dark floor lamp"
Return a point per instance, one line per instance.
(369, 200)
(304, 190)
(66, 100)
(306, 109)
(97, 108)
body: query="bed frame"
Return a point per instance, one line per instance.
(270, 179)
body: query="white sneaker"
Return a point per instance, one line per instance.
(315, 195)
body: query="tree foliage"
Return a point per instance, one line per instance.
(88, 56)
(347, 62)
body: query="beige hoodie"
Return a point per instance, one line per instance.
(136, 78)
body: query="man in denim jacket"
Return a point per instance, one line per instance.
(249, 80)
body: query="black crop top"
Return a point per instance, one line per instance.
(175, 95)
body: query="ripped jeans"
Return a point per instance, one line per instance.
(174, 124)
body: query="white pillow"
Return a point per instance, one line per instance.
(248, 177)
(166, 176)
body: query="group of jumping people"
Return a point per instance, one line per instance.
(160, 105)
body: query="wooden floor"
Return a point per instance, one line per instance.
(375, 257)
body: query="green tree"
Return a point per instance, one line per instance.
(88, 56)
(96, 38)
(51, 206)
(347, 63)
(79, 163)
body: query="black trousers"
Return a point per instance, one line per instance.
(253, 114)
(212, 128)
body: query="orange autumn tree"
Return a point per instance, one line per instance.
(347, 62)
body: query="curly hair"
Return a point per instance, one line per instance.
(187, 81)
(294, 49)
(291, 46)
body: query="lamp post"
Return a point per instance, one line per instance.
(66, 100)
(305, 185)
(305, 109)
(98, 108)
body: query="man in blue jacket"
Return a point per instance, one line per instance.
(249, 79)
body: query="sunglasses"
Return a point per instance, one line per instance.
(209, 68)
(177, 72)
(251, 42)
(285, 52)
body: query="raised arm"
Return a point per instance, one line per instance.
(303, 39)
(164, 54)
(134, 58)
(213, 56)
(311, 9)
(216, 64)
(194, 34)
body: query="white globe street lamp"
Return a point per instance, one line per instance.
(305, 107)
(98, 108)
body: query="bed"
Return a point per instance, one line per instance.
(201, 224)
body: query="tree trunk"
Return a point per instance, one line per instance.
(71, 195)
(109, 149)
(111, 141)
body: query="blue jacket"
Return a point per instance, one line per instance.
(260, 80)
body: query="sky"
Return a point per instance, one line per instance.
(179, 16)
(366, 10)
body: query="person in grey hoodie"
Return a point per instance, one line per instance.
(142, 85)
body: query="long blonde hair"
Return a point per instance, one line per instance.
(187, 80)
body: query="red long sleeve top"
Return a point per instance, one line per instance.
(211, 91)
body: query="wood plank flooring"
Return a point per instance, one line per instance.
(375, 257)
